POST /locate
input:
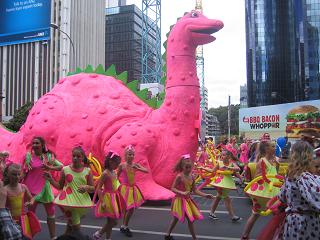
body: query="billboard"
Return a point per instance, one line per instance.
(24, 21)
(280, 120)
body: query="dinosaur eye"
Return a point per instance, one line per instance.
(194, 14)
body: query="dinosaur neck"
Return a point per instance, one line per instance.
(182, 84)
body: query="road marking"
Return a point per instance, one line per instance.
(235, 197)
(150, 232)
(169, 209)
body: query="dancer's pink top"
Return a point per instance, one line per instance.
(184, 186)
(127, 177)
(203, 157)
(110, 185)
(231, 148)
(34, 179)
(244, 154)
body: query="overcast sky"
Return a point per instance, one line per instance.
(225, 58)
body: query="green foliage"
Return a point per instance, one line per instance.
(222, 115)
(154, 102)
(19, 117)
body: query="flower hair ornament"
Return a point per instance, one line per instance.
(9, 162)
(114, 154)
(129, 148)
(186, 156)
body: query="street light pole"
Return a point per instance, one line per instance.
(56, 27)
(1, 99)
(229, 117)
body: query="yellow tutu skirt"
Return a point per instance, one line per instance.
(30, 224)
(185, 207)
(131, 196)
(109, 205)
(261, 192)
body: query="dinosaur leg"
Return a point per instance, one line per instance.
(151, 190)
(143, 146)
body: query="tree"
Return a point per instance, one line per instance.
(222, 115)
(19, 117)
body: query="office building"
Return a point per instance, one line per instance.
(213, 126)
(123, 40)
(30, 67)
(115, 3)
(308, 27)
(243, 96)
(282, 39)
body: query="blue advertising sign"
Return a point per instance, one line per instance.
(24, 21)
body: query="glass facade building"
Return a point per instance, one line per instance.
(282, 39)
(123, 40)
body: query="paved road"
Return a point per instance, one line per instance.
(150, 222)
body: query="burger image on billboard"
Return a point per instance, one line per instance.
(302, 119)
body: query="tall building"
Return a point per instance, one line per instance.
(282, 39)
(243, 96)
(308, 27)
(32, 62)
(213, 126)
(115, 3)
(123, 40)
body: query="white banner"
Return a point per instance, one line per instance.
(280, 120)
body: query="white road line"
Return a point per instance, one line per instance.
(235, 197)
(151, 232)
(168, 209)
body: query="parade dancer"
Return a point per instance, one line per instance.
(232, 146)
(301, 194)
(183, 207)
(37, 162)
(262, 190)
(8, 228)
(244, 158)
(76, 182)
(3, 159)
(130, 193)
(19, 196)
(223, 182)
(109, 204)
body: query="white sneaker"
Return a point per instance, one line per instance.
(97, 235)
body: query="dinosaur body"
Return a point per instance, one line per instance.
(100, 114)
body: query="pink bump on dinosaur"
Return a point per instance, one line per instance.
(101, 114)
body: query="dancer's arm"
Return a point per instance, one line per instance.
(210, 170)
(264, 171)
(140, 168)
(57, 185)
(57, 166)
(119, 170)
(89, 188)
(102, 179)
(29, 198)
(202, 194)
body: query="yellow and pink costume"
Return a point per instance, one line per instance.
(223, 181)
(29, 223)
(264, 187)
(73, 202)
(110, 203)
(130, 193)
(184, 206)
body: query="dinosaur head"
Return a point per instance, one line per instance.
(192, 30)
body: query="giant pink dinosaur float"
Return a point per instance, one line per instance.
(101, 114)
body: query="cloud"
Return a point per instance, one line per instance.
(225, 59)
